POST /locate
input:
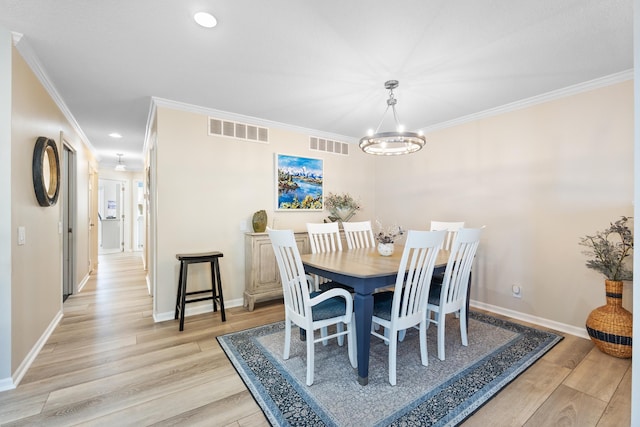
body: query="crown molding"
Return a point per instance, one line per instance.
(31, 59)
(225, 115)
(538, 99)
(147, 145)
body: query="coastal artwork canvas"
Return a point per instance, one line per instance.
(299, 182)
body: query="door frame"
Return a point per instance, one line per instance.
(69, 220)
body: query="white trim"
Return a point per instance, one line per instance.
(551, 324)
(84, 281)
(225, 115)
(538, 99)
(33, 62)
(6, 384)
(35, 350)
(147, 131)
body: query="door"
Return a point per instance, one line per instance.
(111, 215)
(68, 221)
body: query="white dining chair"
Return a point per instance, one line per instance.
(451, 296)
(404, 307)
(310, 311)
(451, 227)
(359, 234)
(325, 237)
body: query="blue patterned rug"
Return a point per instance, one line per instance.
(441, 394)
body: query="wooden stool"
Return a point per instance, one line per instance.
(181, 299)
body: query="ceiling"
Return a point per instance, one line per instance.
(320, 65)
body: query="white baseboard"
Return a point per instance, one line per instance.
(7, 384)
(561, 327)
(26, 363)
(83, 282)
(205, 307)
(196, 308)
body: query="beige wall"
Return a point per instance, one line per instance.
(36, 273)
(539, 179)
(208, 185)
(5, 209)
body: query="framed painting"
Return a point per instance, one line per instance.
(299, 183)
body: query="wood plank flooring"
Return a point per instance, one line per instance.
(108, 363)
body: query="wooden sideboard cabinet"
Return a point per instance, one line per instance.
(262, 278)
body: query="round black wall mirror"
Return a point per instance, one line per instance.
(46, 171)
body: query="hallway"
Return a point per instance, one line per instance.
(108, 363)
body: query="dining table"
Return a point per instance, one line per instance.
(365, 270)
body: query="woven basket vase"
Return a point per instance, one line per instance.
(610, 326)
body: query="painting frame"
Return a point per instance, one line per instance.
(299, 183)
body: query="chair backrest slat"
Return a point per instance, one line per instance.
(415, 273)
(452, 228)
(456, 276)
(295, 286)
(359, 234)
(324, 237)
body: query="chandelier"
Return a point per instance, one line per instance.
(120, 166)
(392, 143)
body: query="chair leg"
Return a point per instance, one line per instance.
(310, 361)
(401, 335)
(287, 339)
(351, 343)
(340, 328)
(323, 333)
(463, 327)
(424, 356)
(393, 347)
(441, 318)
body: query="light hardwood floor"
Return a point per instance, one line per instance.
(108, 363)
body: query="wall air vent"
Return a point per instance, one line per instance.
(237, 130)
(328, 146)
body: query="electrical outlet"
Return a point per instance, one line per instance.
(516, 291)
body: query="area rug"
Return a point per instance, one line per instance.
(441, 394)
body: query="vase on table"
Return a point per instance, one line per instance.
(610, 326)
(385, 249)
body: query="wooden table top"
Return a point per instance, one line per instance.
(363, 263)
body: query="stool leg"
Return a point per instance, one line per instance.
(217, 268)
(179, 291)
(183, 298)
(213, 283)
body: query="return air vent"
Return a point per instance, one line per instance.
(328, 146)
(238, 130)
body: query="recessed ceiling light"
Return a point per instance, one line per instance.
(205, 19)
(115, 135)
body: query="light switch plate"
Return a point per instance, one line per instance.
(22, 235)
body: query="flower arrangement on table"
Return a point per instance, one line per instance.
(386, 237)
(388, 234)
(341, 206)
